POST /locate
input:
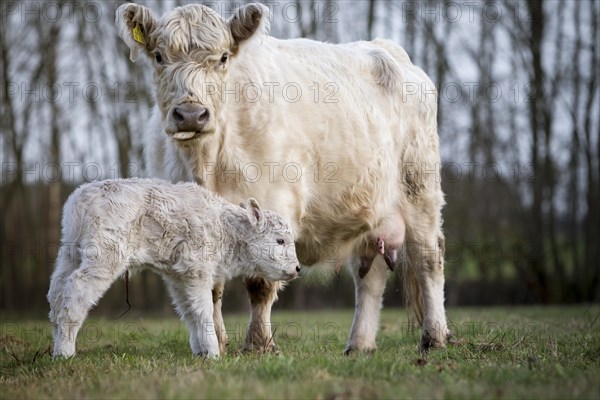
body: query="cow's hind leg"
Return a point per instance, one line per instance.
(82, 290)
(369, 293)
(263, 294)
(424, 283)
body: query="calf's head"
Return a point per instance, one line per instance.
(271, 253)
(191, 49)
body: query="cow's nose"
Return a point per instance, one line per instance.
(190, 117)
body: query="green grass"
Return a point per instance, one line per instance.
(532, 352)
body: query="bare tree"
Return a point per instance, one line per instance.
(573, 192)
(371, 19)
(592, 162)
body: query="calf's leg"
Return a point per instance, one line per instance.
(177, 292)
(65, 265)
(198, 304)
(82, 289)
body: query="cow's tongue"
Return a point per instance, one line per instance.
(183, 135)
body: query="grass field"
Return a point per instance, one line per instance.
(535, 352)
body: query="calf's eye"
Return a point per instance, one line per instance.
(224, 58)
(158, 57)
(280, 241)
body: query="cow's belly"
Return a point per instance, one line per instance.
(343, 213)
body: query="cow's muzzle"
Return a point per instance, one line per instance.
(189, 119)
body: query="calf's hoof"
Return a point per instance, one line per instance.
(206, 354)
(64, 351)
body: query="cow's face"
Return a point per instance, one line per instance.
(191, 49)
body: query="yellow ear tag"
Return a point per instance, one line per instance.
(138, 36)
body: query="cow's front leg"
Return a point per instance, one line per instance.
(368, 293)
(263, 294)
(217, 296)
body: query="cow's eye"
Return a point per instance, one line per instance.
(280, 241)
(158, 57)
(224, 58)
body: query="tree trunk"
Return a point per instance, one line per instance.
(592, 231)
(574, 244)
(49, 39)
(536, 123)
(371, 19)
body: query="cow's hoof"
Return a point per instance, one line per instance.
(353, 349)
(223, 343)
(451, 340)
(223, 348)
(429, 342)
(260, 348)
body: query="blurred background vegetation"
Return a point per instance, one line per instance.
(518, 123)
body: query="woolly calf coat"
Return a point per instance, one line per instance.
(192, 237)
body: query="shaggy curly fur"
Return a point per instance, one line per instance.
(190, 236)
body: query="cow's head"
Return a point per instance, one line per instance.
(190, 48)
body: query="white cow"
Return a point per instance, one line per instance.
(340, 139)
(190, 236)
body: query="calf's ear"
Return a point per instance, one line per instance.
(135, 23)
(249, 21)
(255, 213)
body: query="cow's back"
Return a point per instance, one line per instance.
(355, 139)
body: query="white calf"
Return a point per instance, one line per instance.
(190, 236)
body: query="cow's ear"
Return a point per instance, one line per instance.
(255, 213)
(135, 23)
(249, 21)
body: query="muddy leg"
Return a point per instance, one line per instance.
(217, 296)
(262, 296)
(424, 280)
